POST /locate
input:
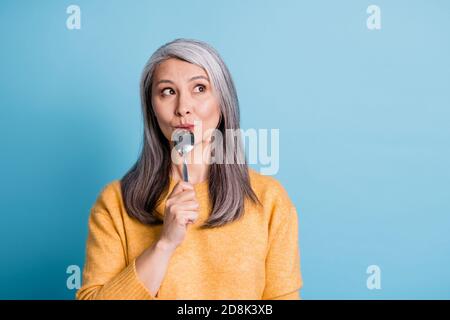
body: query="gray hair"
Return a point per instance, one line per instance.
(147, 182)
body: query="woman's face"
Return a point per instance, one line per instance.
(181, 94)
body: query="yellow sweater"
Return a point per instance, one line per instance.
(256, 257)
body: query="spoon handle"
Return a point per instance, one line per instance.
(185, 171)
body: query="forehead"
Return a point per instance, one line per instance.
(175, 69)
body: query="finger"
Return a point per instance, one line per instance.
(180, 187)
(186, 206)
(185, 215)
(190, 217)
(184, 196)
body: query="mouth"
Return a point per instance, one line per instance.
(189, 127)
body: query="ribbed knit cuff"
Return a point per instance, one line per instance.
(295, 295)
(126, 286)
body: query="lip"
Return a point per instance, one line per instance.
(187, 126)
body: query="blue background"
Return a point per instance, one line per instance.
(370, 110)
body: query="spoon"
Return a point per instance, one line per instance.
(183, 140)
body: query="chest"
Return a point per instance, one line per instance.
(213, 263)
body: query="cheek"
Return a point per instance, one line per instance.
(159, 109)
(209, 113)
(163, 116)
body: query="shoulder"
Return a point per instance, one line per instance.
(109, 198)
(268, 188)
(106, 214)
(278, 207)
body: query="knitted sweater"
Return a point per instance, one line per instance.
(255, 257)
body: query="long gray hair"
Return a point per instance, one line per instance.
(146, 184)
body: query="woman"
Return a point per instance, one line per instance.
(227, 233)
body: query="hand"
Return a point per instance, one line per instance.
(181, 209)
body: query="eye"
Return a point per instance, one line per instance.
(200, 87)
(167, 91)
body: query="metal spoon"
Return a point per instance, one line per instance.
(183, 140)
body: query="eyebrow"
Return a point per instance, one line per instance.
(191, 79)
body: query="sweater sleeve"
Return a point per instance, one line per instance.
(283, 276)
(106, 275)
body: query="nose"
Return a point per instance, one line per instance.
(182, 111)
(184, 106)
